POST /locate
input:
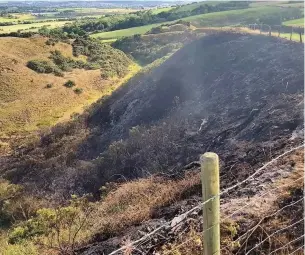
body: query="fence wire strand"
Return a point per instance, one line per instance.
(300, 248)
(183, 216)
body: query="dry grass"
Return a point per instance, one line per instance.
(190, 243)
(135, 201)
(25, 102)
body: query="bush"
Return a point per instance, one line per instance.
(60, 228)
(78, 91)
(69, 84)
(49, 85)
(42, 66)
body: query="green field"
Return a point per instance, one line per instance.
(17, 17)
(295, 36)
(192, 6)
(225, 18)
(234, 17)
(32, 26)
(295, 22)
(126, 32)
(159, 10)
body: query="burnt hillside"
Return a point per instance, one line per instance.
(238, 95)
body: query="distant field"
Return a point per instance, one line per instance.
(295, 22)
(101, 10)
(225, 18)
(267, 3)
(32, 26)
(126, 32)
(159, 10)
(17, 17)
(234, 17)
(192, 6)
(84, 12)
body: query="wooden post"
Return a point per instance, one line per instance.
(291, 33)
(260, 31)
(210, 189)
(300, 32)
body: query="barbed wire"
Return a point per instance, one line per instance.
(296, 250)
(294, 240)
(178, 219)
(227, 217)
(269, 216)
(274, 233)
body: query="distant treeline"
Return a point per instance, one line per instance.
(142, 18)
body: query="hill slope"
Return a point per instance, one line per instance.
(26, 102)
(231, 93)
(238, 95)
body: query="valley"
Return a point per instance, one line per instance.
(103, 118)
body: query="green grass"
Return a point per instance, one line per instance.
(192, 6)
(95, 10)
(31, 27)
(295, 36)
(295, 22)
(225, 18)
(159, 10)
(234, 17)
(17, 17)
(126, 32)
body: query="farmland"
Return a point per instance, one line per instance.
(240, 17)
(225, 18)
(295, 22)
(32, 26)
(125, 32)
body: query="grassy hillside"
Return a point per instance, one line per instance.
(125, 32)
(158, 123)
(32, 27)
(31, 100)
(17, 17)
(224, 18)
(243, 17)
(152, 46)
(295, 22)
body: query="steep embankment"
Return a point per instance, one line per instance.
(238, 95)
(31, 100)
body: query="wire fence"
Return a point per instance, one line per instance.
(294, 33)
(294, 246)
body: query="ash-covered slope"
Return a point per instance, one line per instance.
(238, 95)
(231, 85)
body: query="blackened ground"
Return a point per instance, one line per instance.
(236, 94)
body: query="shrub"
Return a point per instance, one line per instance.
(69, 84)
(42, 66)
(49, 85)
(60, 228)
(78, 91)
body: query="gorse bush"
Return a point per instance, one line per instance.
(78, 91)
(112, 62)
(65, 63)
(42, 66)
(14, 204)
(69, 84)
(56, 228)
